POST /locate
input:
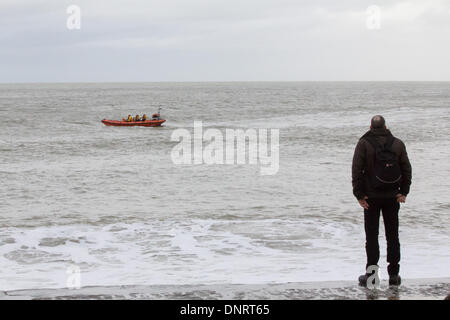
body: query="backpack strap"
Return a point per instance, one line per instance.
(373, 142)
(389, 142)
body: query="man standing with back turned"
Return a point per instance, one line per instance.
(381, 177)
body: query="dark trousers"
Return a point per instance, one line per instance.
(389, 208)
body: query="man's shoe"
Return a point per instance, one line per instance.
(363, 280)
(395, 280)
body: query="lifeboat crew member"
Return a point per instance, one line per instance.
(130, 118)
(137, 118)
(144, 117)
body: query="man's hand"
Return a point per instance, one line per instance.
(401, 198)
(363, 203)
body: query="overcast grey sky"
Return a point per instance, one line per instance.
(224, 40)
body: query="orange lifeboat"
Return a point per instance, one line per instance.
(121, 123)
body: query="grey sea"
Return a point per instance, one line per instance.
(110, 203)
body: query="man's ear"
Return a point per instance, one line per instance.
(385, 127)
(371, 128)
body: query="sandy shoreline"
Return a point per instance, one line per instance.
(435, 288)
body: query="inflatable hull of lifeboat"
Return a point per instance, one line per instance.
(146, 123)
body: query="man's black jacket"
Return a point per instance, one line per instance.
(363, 162)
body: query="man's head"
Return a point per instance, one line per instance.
(377, 122)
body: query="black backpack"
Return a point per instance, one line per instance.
(386, 173)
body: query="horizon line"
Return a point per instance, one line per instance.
(209, 81)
